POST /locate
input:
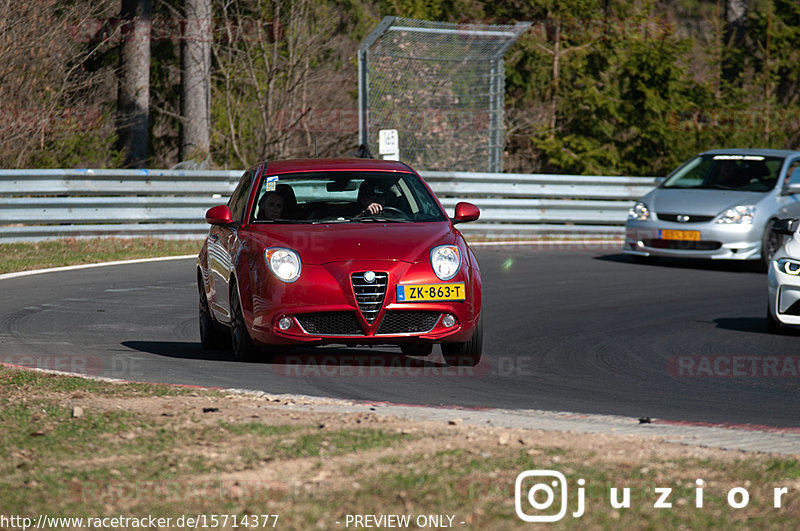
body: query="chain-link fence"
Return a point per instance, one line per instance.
(442, 86)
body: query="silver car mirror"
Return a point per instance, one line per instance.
(793, 188)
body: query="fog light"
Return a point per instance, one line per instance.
(448, 321)
(285, 323)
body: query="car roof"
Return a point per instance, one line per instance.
(302, 165)
(751, 151)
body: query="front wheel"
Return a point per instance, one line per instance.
(210, 335)
(243, 347)
(773, 325)
(467, 354)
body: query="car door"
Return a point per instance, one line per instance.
(222, 243)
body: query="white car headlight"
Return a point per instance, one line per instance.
(789, 266)
(445, 261)
(639, 212)
(740, 214)
(284, 263)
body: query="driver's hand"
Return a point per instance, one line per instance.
(373, 208)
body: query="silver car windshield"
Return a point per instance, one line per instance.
(344, 197)
(744, 173)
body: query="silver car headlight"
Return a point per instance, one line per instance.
(738, 215)
(284, 263)
(639, 212)
(789, 266)
(445, 261)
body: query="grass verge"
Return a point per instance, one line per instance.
(81, 448)
(71, 251)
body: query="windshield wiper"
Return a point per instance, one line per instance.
(380, 219)
(283, 221)
(334, 220)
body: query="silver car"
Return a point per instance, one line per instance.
(720, 205)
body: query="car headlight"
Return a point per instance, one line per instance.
(740, 214)
(789, 266)
(284, 263)
(639, 212)
(445, 261)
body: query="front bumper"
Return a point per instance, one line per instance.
(322, 308)
(717, 241)
(784, 296)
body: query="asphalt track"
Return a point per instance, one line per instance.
(566, 329)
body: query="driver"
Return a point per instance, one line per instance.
(271, 206)
(372, 197)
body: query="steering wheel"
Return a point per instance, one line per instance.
(393, 209)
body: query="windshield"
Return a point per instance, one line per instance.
(743, 173)
(344, 197)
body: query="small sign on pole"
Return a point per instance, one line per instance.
(389, 145)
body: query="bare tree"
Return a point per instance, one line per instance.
(196, 80)
(278, 89)
(134, 81)
(52, 107)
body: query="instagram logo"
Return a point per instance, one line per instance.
(541, 496)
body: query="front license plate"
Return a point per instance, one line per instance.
(432, 292)
(683, 235)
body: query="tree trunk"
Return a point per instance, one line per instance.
(196, 80)
(554, 99)
(735, 30)
(134, 82)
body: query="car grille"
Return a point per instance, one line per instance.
(330, 323)
(369, 295)
(683, 245)
(407, 322)
(692, 218)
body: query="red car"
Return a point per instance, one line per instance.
(353, 252)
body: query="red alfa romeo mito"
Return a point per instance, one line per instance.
(353, 252)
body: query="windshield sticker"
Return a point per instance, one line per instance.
(272, 180)
(738, 157)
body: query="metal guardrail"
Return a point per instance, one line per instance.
(46, 204)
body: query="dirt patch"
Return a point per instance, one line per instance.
(146, 450)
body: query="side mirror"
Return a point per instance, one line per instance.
(785, 226)
(793, 188)
(219, 215)
(466, 212)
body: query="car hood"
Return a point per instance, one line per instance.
(792, 247)
(341, 242)
(699, 202)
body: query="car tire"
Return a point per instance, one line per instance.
(210, 335)
(416, 349)
(770, 243)
(241, 343)
(773, 325)
(468, 353)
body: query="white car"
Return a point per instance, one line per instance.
(784, 278)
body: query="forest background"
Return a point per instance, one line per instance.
(602, 87)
